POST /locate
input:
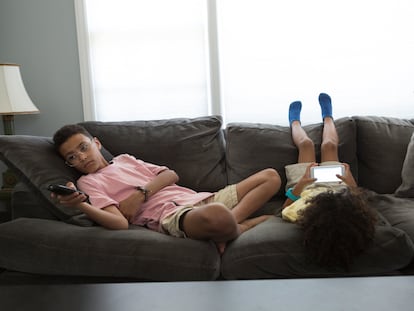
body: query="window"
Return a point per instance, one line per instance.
(244, 59)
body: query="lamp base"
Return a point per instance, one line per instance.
(8, 124)
(9, 178)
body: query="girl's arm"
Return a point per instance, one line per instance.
(302, 183)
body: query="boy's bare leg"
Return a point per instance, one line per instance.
(216, 222)
(213, 221)
(330, 140)
(253, 192)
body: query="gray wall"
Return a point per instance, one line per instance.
(40, 35)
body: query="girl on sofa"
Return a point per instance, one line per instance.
(127, 190)
(335, 217)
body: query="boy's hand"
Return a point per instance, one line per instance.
(131, 205)
(347, 178)
(70, 200)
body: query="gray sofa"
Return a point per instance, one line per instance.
(47, 239)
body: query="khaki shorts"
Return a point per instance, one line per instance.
(171, 224)
(294, 172)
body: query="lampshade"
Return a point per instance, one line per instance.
(13, 96)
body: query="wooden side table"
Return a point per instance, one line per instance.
(9, 181)
(5, 204)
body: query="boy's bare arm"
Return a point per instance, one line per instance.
(109, 217)
(163, 179)
(130, 205)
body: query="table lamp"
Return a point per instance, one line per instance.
(13, 101)
(13, 96)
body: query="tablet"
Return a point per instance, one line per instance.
(327, 173)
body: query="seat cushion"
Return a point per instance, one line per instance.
(55, 248)
(278, 253)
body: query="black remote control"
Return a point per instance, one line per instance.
(62, 190)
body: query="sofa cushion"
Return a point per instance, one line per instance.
(37, 164)
(252, 147)
(55, 248)
(406, 189)
(194, 148)
(399, 212)
(382, 146)
(278, 252)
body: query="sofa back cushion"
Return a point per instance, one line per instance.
(252, 147)
(194, 148)
(382, 146)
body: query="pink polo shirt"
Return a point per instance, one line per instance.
(119, 180)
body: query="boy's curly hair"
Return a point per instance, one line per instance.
(67, 131)
(338, 226)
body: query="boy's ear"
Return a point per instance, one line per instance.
(98, 143)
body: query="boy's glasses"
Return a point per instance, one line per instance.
(74, 158)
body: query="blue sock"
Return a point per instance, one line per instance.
(326, 105)
(294, 111)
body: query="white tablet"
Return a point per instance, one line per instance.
(327, 173)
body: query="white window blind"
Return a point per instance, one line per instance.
(147, 58)
(246, 59)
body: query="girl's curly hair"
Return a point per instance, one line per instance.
(338, 226)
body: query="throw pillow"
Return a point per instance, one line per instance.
(37, 164)
(406, 189)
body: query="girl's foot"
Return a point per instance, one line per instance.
(252, 222)
(294, 111)
(326, 105)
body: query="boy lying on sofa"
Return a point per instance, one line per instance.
(127, 190)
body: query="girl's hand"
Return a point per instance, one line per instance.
(306, 178)
(347, 178)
